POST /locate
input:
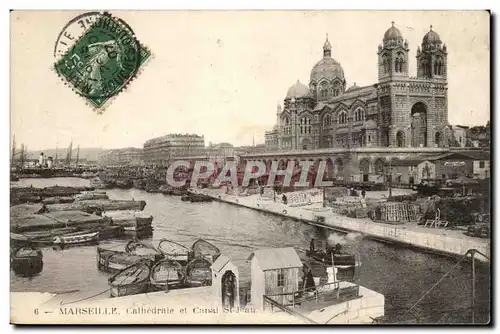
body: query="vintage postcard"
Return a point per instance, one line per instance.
(250, 167)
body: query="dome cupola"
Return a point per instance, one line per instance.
(327, 67)
(393, 36)
(431, 40)
(298, 90)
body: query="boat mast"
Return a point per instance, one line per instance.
(68, 156)
(22, 155)
(77, 154)
(55, 159)
(13, 149)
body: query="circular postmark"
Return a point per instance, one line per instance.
(98, 54)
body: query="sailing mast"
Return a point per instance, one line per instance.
(13, 150)
(77, 154)
(55, 159)
(68, 156)
(22, 155)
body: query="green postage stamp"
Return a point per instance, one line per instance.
(103, 60)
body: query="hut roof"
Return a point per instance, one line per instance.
(277, 258)
(220, 263)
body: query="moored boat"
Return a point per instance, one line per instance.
(130, 281)
(320, 252)
(113, 261)
(130, 218)
(204, 249)
(136, 247)
(174, 251)
(198, 273)
(167, 274)
(27, 261)
(194, 198)
(108, 232)
(77, 238)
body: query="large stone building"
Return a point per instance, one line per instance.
(163, 150)
(130, 156)
(396, 111)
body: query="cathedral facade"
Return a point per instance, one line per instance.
(397, 111)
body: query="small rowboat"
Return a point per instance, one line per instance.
(27, 261)
(199, 273)
(130, 281)
(77, 238)
(135, 247)
(174, 251)
(203, 249)
(114, 261)
(167, 274)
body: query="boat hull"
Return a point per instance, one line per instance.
(77, 239)
(176, 280)
(29, 264)
(113, 261)
(131, 280)
(340, 260)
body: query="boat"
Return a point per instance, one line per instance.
(78, 238)
(91, 195)
(174, 251)
(132, 219)
(27, 261)
(198, 273)
(204, 249)
(130, 281)
(194, 198)
(88, 175)
(321, 253)
(109, 232)
(139, 248)
(93, 205)
(167, 274)
(113, 261)
(98, 184)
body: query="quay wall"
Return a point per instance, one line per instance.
(448, 243)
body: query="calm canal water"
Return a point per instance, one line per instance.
(402, 275)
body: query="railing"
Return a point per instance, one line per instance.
(274, 303)
(328, 291)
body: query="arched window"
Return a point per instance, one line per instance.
(425, 69)
(286, 128)
(342, 117)
(438, 66)
(305, 125)
(399, 65)
(327, 120)
(386, 63)
(359, 114)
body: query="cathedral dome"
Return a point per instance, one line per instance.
(297, 90)
(431, 37)
(327, 67)
(392, 33)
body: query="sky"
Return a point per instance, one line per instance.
(222, 74)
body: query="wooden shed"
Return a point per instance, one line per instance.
(274, 271)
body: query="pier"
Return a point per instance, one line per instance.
(446, 242)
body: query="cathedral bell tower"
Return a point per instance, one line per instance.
(392, 55)
(432, 58)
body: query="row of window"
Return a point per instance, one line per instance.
(438, 67)
(398, 65)
(324, 92)
(305, 123)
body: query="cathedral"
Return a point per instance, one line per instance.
(396, 111)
